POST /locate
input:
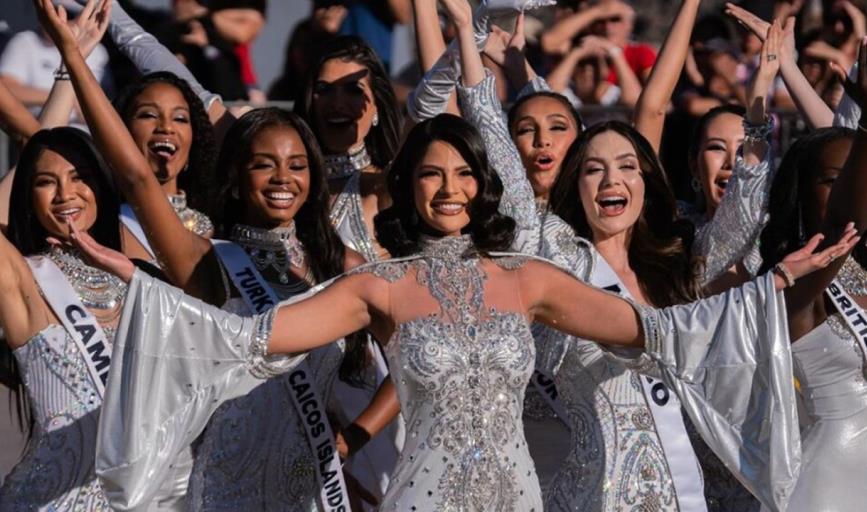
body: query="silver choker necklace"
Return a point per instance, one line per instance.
(193, 220)
(96, 289)
(853, 277)
(448, 248)
(347, 164)
(276, 249)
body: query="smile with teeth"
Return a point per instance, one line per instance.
(67, 213)
(612, 205)
(448, 208)
(280, 198)
(163, 148)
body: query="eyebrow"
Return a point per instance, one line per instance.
(275, 157)
(152, 104)
(618, 157)
(558, 115)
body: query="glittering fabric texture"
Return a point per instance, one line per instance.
(57, 470)
(461, 366)
(347, 217)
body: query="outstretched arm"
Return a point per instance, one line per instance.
(16, 120)
(653, 102)
(558, 40)
(179, 251)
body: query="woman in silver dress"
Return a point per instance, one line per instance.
(275, 177)
(59, 316)
(171, 129)
(828, 338)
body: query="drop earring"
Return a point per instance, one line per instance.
(376, 119)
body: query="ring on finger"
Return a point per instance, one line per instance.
(772, 57)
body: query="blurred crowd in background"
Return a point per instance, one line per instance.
(598, 53)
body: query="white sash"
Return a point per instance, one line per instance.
(665, 407)
(545, 386)
(852, 313)
(259, 297)
(128, 218)
(81, 325)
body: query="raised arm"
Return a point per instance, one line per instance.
(653, 103)
(179, 251)
(558, 40)
(149, 55)
(809, 103)
(846, 204)
(482, 109)
(627, 80)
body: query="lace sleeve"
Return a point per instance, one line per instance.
(482, 109)
(732, 233)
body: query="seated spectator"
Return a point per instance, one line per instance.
(374, 21)
(29, 62)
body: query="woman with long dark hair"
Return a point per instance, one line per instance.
(59, 315)
(349, 102)
(171, 128)
(456, 314)
(275, 178)
(828, 340)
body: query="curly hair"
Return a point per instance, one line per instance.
(29, 236)
(398, 227)
(382, 140)
(198, 180)
(320, 240)
(784, 233)
(660, 245)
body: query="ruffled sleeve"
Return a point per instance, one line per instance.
(175, 360)
(728, 359)
(735, 228)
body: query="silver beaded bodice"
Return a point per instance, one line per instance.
(274, 252)
(347, 217)
(97, 289)
(57, 470)
(853, 277)
(254, 454)
(460, 366)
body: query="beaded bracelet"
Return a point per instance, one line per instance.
(758, 132)
(783, 271)
(61, 73)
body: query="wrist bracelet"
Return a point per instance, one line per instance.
(758, 132)
(783, 271)
(61, 73)
(355, 436)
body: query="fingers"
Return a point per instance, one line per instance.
(88, 10)
(814, 242)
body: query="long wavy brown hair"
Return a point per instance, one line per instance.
(660, 245)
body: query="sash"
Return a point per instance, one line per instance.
(259, 297)
(544, 385)
(129, 220)
(852, 313)
(665, 407)
(81, 325)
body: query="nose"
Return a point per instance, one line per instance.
(731, 158)
(542, 139)
(282, 174)
(165, 124)
(65, 192)
(449, 186)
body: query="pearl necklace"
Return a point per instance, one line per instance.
(345, 165)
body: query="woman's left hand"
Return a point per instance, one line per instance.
(54, 21)
(805, 260)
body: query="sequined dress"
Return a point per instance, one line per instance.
(616, 460)
(254, 454)
(57, 469)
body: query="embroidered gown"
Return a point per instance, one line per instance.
(57, 469)
(461, 356)
(614, 436)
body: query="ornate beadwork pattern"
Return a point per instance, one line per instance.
(853, 277)
(57, 470)
(96, 289)
(347, 217)
(461, 372)
(193, 220)
(275, 251)
(345, 165)
(732, 233)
